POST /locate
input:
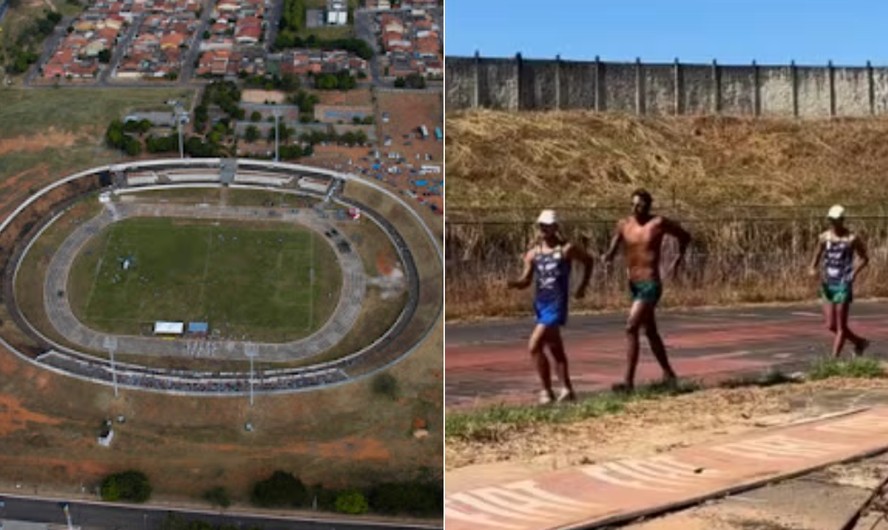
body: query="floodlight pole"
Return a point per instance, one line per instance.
(178, 113)
(276, 134)
(113, 371)
(251, 380)
(179, 125)
(68, 517)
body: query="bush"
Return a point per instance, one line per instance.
(351, 502)
(251, 134)
(255, 116)
(409, 498)
(386, 385)
(218, 496)
(326, 498)
(130, 486)
(281, 489)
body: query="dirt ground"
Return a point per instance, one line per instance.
(342, 436)
(357, 97)
(253, 95)
(51, 138)
(650, 427)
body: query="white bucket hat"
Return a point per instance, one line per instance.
(547, 217)
(836, 212)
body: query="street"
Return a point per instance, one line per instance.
(104, 516)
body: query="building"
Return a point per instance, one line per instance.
(337, 12)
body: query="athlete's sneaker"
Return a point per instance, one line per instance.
(861, 347)
(566, 395)
(546, 397)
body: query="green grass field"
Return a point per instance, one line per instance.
(259, 282)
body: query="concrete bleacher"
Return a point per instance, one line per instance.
(141, 179)
(263, 179)
(191, 176)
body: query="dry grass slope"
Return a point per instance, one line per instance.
(583, 159)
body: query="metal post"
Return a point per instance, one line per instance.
(179, 126)
(68, 517)
(111, 345)
(276, 133)
(251, 351)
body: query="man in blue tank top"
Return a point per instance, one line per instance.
(833, 263)
(548, 265)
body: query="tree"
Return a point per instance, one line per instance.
(132, 486)
(281, 489)
(255, 116)
(105, 56)
(251, 134)
(351, 502)
(218, 496)
(386, 385)
(414, 498)
(416, 81)
(400, 82)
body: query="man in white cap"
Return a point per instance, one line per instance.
(837, 248)
(549, 263)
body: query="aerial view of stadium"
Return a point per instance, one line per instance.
(222, 268)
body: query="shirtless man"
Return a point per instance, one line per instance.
(642, 236)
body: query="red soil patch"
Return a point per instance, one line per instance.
(14, 417)
(40, 142)
(355, 448)
(384, 263)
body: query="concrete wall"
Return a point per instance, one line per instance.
(666, 89)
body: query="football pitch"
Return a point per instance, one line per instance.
(264, 282)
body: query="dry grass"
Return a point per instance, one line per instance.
(645, 427)
(588, 160)
(752, 192)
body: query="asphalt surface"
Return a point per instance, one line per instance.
(112, 517)
(488, 362)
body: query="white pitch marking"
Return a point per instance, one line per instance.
(524, 500)
(662, 473)
(454, 514)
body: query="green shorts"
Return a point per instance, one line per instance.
(837, 293)
(647, 291)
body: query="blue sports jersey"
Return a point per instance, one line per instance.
(552, 274)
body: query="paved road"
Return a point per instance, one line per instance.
(186, 73)
(489, 363)
(50, 44)
(111, 517)
(120, 49)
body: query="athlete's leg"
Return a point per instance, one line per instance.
(860, 344)
(656, 342)
(556, 346)
(636, 315)
(829, 316)
(537, 341)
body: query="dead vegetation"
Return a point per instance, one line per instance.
(752, 192)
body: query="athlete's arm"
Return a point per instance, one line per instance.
(614, 244)
(818, 254)
(863, 256)
(675, 230)
(579, 253)
(526, 275)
